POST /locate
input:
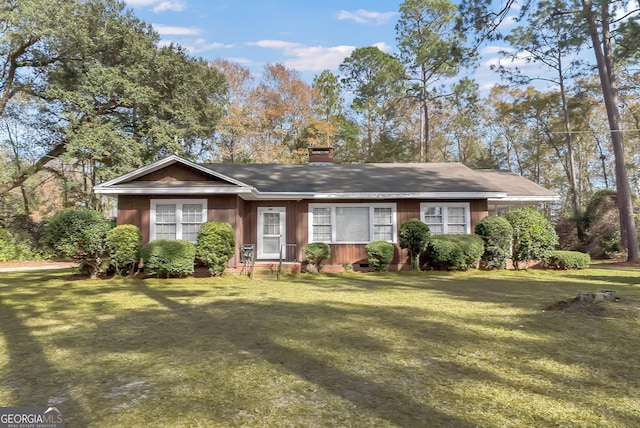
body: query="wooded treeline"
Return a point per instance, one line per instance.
(88, 93)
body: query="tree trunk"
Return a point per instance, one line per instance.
(609, 93)
(571, 161)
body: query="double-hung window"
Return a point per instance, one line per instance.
(177, 218)
(352, 223)
(446, 218)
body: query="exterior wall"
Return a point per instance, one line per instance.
(136, 210)
(243, 217)
(298, 227)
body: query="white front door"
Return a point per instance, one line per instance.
(271, 232)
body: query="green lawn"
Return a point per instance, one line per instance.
(362, 350)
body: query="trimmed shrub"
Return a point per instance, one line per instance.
(567, 260)
(123, 243)
(80, 234)
(413, 236)
(216, 245)
(380, 254)
(165, 257)
(496, 233)
(533, 235)
(315, 253)
(453, 252)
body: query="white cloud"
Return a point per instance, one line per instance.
(308, 58)
(176, 6)
(159, 5)
(383, 47)
(275, 44)
(362, 16)
(168, 30)
(201, 45)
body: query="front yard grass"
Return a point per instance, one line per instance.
(424, 349)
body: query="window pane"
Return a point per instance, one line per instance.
(433, 215)
(455, 215)
(436, 229)
(166, 231)
(190, 231)
(383, 233)
(165, 213)
(270, 245)
(352, 224)
(322, 224)
(192, 213)
(383, 216)
(271, 224)
(456, 229)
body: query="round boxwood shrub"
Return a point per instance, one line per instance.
(453, 252)
(380, 254)
(216, 245)
(413, 236)
(80, 234)
(315, 253)
(496, 233)
(533, 235)
(567, 260)
(164, 257)
(123, 243)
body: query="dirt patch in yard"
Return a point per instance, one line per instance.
(620, 307)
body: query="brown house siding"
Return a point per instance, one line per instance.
(242, 215)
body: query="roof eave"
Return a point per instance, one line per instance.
(257, 195)
(183, 190)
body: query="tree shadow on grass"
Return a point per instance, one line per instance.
(382, 400)
(28, 363)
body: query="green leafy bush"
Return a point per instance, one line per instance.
(380, 254)
(567, 260)
(164, 257)
(216, 245)
(533, 235)
(123, 243)
(453, 252)
(6, 247)
(413, 236)
(315, 253)
(80, 234)
(496, 233)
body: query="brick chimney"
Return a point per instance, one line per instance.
(320, 155)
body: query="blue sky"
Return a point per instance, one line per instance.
(308, 36)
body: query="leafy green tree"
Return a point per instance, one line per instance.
(497, 233)
(216, 244)
(123, 243)
(376, 80)
(432, 49)
(533, 235)
(597, 21)
(79, 234)
(550, 37)
(414, 236)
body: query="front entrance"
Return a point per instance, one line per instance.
(271, 232)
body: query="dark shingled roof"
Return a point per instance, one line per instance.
(514, 184)
(359, 178)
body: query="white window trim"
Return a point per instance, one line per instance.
(394, 220)
(445, 220)
(178, 203)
